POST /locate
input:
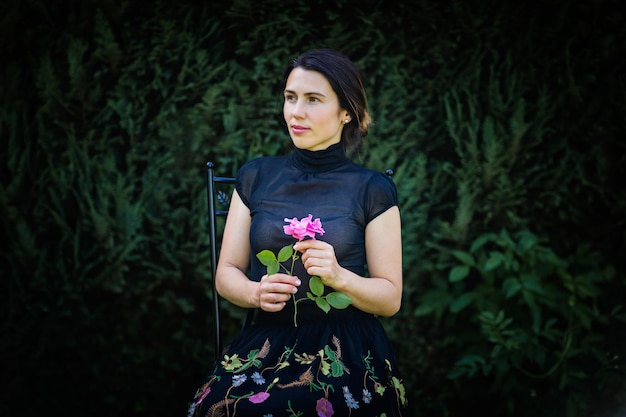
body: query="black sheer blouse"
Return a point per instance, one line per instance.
(325, 184)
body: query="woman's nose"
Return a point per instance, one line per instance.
(297, 109)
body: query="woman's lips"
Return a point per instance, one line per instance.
(299, 129)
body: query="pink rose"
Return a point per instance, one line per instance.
(259, 397)
(324, 408)
(303, 228)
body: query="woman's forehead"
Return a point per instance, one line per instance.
(303, 81)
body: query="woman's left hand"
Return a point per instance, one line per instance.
(319, 259)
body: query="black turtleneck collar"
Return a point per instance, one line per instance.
(320, 161)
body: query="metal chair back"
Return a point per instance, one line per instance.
(218, 204)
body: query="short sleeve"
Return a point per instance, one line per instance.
(245, 180)
(381, 194)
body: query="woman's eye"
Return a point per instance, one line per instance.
(314, 99)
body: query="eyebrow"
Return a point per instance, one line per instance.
(312, 93)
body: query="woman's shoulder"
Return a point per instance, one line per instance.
(373, 177)
(259, 164)
(379, 190)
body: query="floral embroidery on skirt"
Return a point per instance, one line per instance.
(325, 381)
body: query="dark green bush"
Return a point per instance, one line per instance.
(502, 123)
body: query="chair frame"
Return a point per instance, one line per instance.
(213, 214)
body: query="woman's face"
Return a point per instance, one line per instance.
(311, 110)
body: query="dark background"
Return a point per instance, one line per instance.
(503, 122)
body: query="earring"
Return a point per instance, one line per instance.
(346, 122)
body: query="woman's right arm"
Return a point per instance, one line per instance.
(271, 293)
(231, 280)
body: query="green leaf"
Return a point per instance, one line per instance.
(481, 241)
(338, 300)
(285, 253)
(527, 241)
(464, 257)
(316, 286)
(471, 360)
(266, 257)
(494, 261)
(423, 310)
(322, 304)
(330, 354)
(272, 269)
(458, 273)
(511, 286)
(532, 282)
(336, 369)
(463, 301)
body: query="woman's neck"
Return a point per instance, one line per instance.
(320, 161)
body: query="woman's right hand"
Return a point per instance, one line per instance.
(275, 290)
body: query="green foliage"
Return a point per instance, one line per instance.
(502, 123)
(525, 300)
(535, 311)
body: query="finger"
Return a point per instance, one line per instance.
(326, 252)
(273, 302)
(274, 298)
(281, 279)
(316, 260)
(307, 244)
(272, 307)
(318, 271)
(278, 288)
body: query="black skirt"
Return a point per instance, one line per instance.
(339, 363)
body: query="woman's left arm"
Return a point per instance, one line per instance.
(381, 292)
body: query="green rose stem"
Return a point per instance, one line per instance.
(295, 302)
(273, 263)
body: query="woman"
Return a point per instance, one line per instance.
(311, 357)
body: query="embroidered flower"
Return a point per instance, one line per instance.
(238, 380)
(231, 363)
(306, 227)
(259, 397)
(192, 409)
(324, 408)
(367, 396)
(258, 379)
(350, 401)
